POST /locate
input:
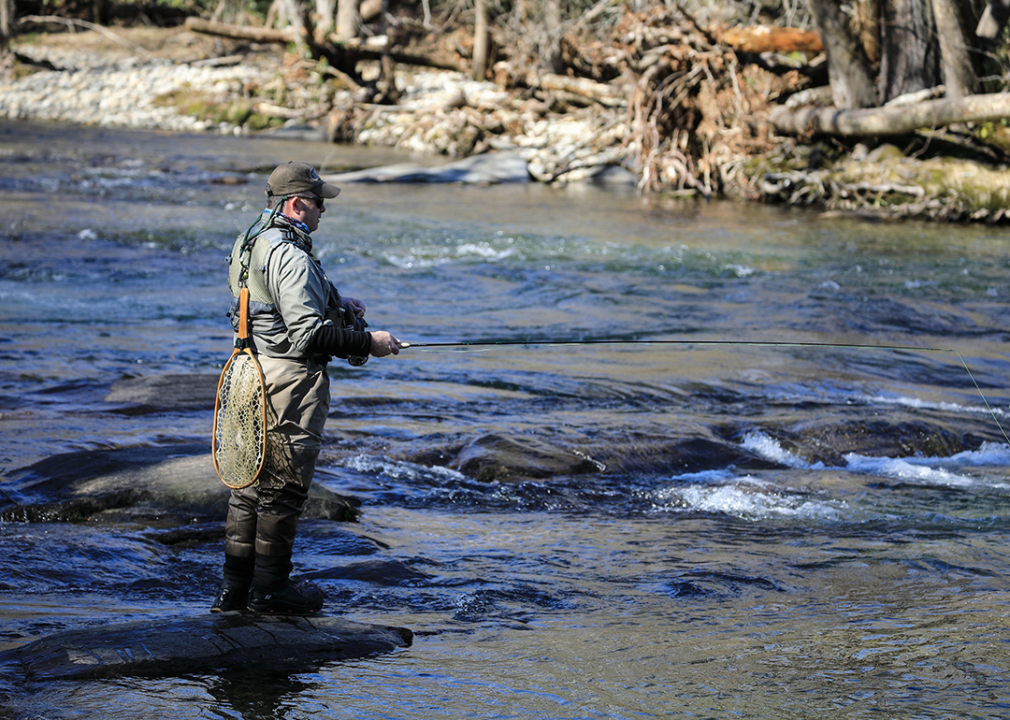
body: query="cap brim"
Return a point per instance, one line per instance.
(327, 191)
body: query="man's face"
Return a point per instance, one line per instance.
(307, 210)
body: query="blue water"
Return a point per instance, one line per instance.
(776, 531)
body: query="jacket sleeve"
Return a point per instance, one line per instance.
(331, 340)
(300, 291)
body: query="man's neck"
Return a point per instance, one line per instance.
(298, 224)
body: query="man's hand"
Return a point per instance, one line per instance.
(384, 344)
(355, 306)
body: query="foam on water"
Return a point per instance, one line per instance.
(741, 496)
(771, 449)
(417, 256)
(743, 500)
(399, 470)
(930, 470)
(940, 471)
(920, 404)
(989, 453)
(902, 469)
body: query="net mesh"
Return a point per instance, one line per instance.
(239, 435)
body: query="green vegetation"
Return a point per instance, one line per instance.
(198, 104)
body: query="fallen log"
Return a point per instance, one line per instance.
(285, 113)
(609, 95)
(214, 62)
(242, 32)
(918, 96)
(767, 38)
(357, 52)
(164, 647)
(890, 120)
(100, 29)
(339, 54)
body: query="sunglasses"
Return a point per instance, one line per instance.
(317, 201)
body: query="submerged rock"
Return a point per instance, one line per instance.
(680, 455)
(831, 442)
(165, 647)
(135, 483)
(492, 458)
(390, 573)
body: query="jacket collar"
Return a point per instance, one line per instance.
(298, 231)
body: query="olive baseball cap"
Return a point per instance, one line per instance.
(296, 178)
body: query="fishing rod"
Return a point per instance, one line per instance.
(635, 341)
(743, 343)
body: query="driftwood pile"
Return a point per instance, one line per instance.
(659, 96)
(679, 107)
(696, 113)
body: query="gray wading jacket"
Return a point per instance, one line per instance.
(295, 312)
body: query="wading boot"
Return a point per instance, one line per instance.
(273, 593)
(230, 598)
(303, 599)
(234, 592)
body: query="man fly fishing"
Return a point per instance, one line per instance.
(297, 322)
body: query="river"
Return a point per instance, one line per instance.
(767, 530)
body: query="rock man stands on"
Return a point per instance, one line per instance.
(298, 321)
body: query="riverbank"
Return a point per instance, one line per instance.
(175, 80)
(181, 81)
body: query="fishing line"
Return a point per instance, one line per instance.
(744, 343)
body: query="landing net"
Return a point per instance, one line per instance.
(240, 422)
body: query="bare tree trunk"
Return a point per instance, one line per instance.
(552, 27)
(958, 75)
(867, 22)
(994, 19)
(481, 37)
(910, 59)
(347, 20)
(327, 12)
(272, 18)
(295, 11)
(371, 9)
(852, 83)
(6, 23)
(386, 83)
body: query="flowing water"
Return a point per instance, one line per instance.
(766, 531)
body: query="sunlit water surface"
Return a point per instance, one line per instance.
(855, 566)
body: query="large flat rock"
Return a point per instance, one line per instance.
(165, 647)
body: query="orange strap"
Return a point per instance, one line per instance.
(243, 317)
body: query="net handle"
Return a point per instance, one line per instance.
(243, 319)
